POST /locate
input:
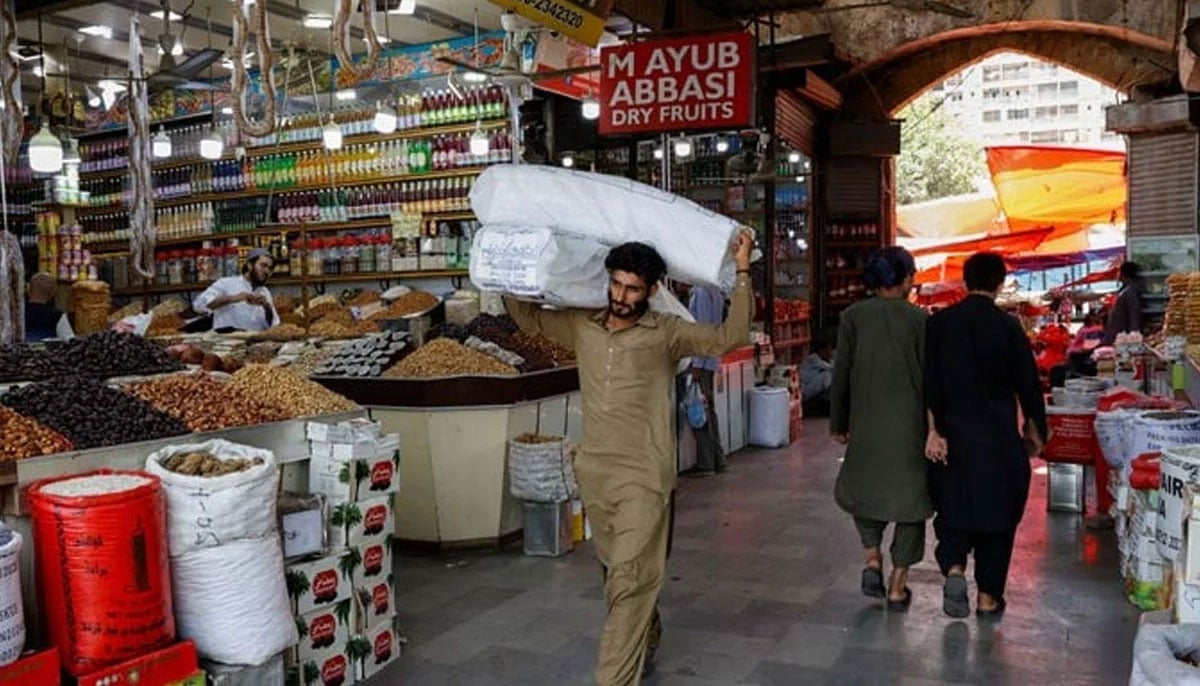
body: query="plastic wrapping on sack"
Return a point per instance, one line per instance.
(540, 472)
(1112, 436)
(1155, 431)
(228, 594)
(770, 417)
(1179, 473)
(102, 572)
(12, 614)
(1157, 651)
(1072, 436)
(694, 242)
(226, 561)
(203, 512)
(540, 264)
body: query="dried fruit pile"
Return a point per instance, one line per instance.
(22, 437)
(288, 391)
(21, 362)
(109, 354)
(90, 414)
(283, 333)
(444, 357)
(406, 305)
(337, 329)
(207, 464)
(204, 403)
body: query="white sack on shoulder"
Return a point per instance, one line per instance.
(204, 512)
(232, 601)
(695, 242)
(540, 264)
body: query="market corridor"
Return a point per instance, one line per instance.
(763, 589)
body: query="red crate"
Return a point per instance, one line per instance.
(35, 669)
(169, 665)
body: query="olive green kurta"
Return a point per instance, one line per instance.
(878, 399)
(626, 465)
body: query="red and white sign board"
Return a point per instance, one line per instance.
(692, 83)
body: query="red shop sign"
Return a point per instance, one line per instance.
(692, 83)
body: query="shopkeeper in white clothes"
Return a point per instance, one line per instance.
(242, 303)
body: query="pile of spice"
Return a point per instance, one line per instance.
(444, 357)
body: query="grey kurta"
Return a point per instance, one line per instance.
(878, 399)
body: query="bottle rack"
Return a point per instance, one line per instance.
(848, 246)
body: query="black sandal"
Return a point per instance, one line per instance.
(872, 583)
(993, 613)
(954, 597)
(900, 605)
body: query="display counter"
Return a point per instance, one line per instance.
(454, 435)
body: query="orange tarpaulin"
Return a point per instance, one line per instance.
(1005, 244)
(1067, 189)
(960, 215)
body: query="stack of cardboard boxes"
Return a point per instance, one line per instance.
(345, 600)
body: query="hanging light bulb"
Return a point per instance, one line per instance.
(722, 144)
(45, 151)
(331, 135)
(683, 147)
(212, 146)
(658, 153)
(794, 157)
(568, 160)
(474, 76)
(590, 108)
(386, 120)
(160, 146)
(480, 145)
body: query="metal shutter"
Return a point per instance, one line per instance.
(853, 188)
(1163, 183)
(796, 122)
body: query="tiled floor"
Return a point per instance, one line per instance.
(763, 589)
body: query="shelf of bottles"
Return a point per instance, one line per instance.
(848, 246)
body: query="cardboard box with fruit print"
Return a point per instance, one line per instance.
(373, 562)
(375, 602)
(351, 523)
(358, 479)
(377, 648)
(318, 584)
(325, 633)
(335, 669)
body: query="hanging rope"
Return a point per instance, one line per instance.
(11, 124)
(341, 40)
(143, 234)
(266, 67)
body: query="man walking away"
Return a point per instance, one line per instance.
(979, 368)
(707, 306)
(626, 356)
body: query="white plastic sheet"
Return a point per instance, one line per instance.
(695, 242)
(1154, 655)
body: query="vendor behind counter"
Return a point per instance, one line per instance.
(242, 303)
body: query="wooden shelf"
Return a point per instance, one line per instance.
(307, 146)
(296, 281)
(859, 243)
(236, 195)
(793, 343)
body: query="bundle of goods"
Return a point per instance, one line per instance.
(110, 600)
(1166, 655)
(1191, 308)
(90, 303)
(444, 357)
(130, 310)
(12, 614)
(1180, 470)
(507, 357)
(346, 600)
(360, 298)
(21, 437)
(605, 210)
(20, 362)
(112, 354)
(411, 304)
(226, 560)
(90, 414)
(320, 306)
(369, 356)
(294, 394)
(206, 404)
(209, 362)
(1145, 570)
(540, 469)
(282, 333)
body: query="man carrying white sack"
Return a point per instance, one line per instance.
(626, 470)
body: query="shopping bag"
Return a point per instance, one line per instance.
(697, 414)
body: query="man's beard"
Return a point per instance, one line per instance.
(257, 282)
(634, 312)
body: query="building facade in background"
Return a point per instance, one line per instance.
(1013, 99)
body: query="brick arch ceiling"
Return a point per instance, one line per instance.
(1118, 58)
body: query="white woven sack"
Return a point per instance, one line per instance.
(1157, 651)
(540, 472)
(1112, 429)
(540, 264)
(203, 512)
(232, 601)
(12, 614)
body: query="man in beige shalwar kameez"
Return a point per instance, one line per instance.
(626, 466)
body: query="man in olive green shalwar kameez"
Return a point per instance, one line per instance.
(626, 465)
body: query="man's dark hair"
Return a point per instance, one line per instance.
(985, 271)
(637, 258)
(1131, 271)
(888, 268)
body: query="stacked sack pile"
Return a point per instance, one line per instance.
(546, 232)
(344, 602)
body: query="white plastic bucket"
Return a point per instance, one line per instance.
(1180, 470)
(12, 626)
(1155, 431)
(1112, 432)
(769, 417)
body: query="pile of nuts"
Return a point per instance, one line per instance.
(282, 333)
(21, 437)
(109, 354)
(288, 391)
(337, 329)
(165, 325)
(207, 464)
(406, 305)
(365, 297)
(90, 414)
(444, 357)
(204, 403)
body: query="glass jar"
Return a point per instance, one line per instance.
(231, 261)
(162, 269)
(383, 252)
(175, 269)
(316, 257)
(350, 256)
(366, 254)
(332, 261)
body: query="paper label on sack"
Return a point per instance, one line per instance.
(509, 261)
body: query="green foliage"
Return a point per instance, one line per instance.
(350, 562)
(312, 673)
(359, 649)
(937, 160)
(297, 583)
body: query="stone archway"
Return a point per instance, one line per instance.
(1116, 57)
